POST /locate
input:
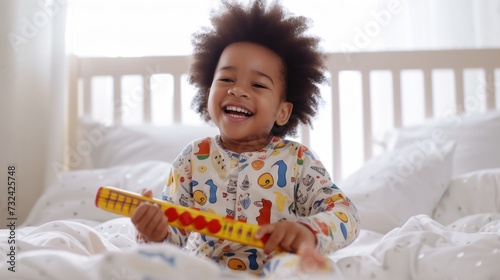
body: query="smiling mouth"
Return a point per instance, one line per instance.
(237, 112)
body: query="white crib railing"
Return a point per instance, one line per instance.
(84, 69)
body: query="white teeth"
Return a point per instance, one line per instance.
(238, 109)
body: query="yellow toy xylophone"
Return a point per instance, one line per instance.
(124, 203)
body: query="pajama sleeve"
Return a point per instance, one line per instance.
(324, 208)
(177, 191)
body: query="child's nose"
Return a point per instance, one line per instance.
(238, 92)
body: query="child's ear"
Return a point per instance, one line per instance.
(284, 113)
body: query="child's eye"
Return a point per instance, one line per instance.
(226, 80)
(259, 86)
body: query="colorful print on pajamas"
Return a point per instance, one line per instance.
(283, 181)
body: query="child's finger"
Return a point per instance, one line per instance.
(147, 193)
(139, 213)
(263, 231)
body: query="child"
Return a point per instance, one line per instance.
(257, 74)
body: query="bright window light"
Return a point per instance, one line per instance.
(134, 28)
(157, 27)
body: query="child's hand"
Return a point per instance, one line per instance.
(289, 236)
(149, 220)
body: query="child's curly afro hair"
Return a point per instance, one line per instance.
(273, 28)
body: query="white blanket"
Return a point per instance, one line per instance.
(66, 237)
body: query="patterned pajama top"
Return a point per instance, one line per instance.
(283, 181)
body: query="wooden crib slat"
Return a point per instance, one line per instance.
(305, 135)
(396, 97)
(177, 78)
(72, 124)
(147, 114)
(87, 96)
(429, 102)
(459, 90)
(490, 89)
(117, 99)
(367, 115)
(337, 153)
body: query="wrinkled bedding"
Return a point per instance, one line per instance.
(66, 237)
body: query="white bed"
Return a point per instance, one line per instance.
(429, 201)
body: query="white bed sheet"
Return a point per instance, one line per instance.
(67, 237)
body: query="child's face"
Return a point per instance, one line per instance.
(246, 96)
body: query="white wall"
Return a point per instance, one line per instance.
(32, 83)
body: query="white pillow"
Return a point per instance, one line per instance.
(477, 137)
(121, 145)
(472, 193)
(399, 184)
(73, 196)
